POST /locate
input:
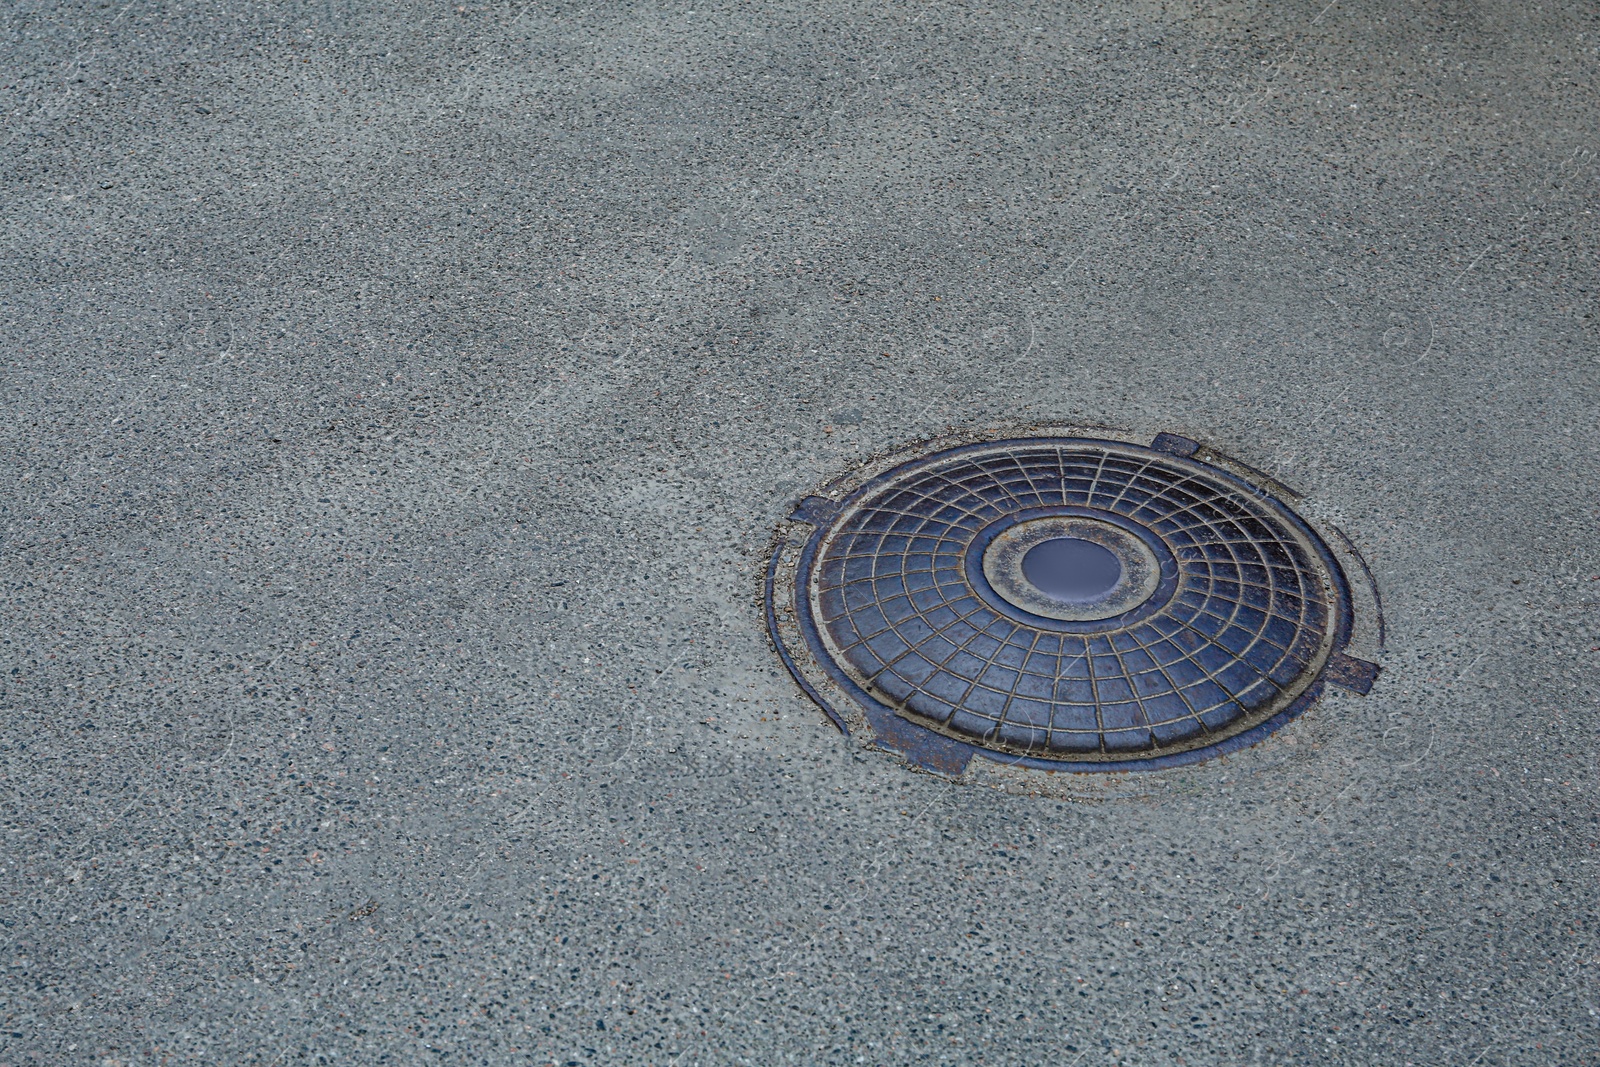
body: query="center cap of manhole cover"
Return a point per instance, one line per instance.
(1070, 567)
(1061, 602)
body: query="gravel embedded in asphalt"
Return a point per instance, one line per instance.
(400, 399)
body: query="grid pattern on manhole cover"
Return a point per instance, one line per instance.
(1243, 617)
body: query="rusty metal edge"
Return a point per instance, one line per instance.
(776, 636)
(1372, 584)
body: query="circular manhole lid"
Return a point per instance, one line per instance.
(1063, 602)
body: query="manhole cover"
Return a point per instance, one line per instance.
(1061, 602)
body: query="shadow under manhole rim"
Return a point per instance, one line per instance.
(915, 604)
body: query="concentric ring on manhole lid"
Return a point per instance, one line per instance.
(1060, 602)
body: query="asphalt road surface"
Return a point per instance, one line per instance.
(399, 401)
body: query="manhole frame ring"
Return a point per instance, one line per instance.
(860, 713)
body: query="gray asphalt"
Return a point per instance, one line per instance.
(399, 401)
